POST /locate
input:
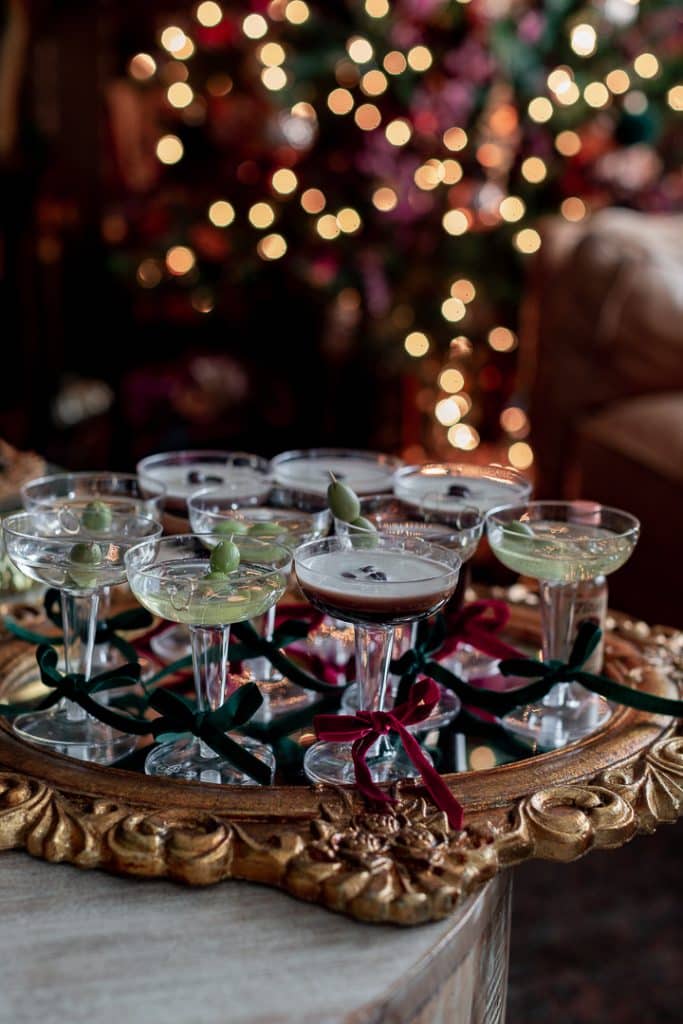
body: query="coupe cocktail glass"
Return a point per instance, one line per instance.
(377, 582)
(214, 510)
(173, 578)
(459, 530)
(71, 549)
(182, 473)
(307, 472)
(561, 544)
(121, 491)
(441, 488)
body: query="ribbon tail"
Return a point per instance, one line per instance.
(433, 782)
(364, 781)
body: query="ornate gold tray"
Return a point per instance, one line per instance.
(323, 845)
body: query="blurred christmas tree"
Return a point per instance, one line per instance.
(387, 164)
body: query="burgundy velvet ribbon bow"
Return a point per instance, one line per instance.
(365, 728)
(476, 624)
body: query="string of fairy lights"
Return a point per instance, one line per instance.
(363, 75)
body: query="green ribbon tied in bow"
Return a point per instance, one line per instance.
(180, 718)
(251, 645)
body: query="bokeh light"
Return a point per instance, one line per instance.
(142, 66)
(451, 380)
(169, 149)
(520, 455)
(221, 213)
(502, 339)
(416, 344)
(209, 14)
(261, 215)
(271, 247)
(527, 241)
(180, 260)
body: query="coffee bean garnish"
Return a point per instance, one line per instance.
(349, 575)
(379, 575)
(367, 568)
(458, 491)
(196, 477)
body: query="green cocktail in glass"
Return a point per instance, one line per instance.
(208, 586)
(561, 544)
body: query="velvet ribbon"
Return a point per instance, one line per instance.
(365, 727)
(476, 624)
(252, 645)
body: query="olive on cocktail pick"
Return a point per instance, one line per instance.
(343, 501)
(81, 556)
(97, 516)
(231, 527)
(225, 557)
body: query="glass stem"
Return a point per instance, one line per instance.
(210, 666)
(557, 619)
(261, 667)
(79, 622)
(374, 645)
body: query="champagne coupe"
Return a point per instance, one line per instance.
(182, 473)
(214, 510)
(376, 582)
(122, 491)
(441, 488)
(178, 578)
(78, 548)
(561, 544)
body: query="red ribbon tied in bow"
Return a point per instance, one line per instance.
(476, 624)
(365, 728)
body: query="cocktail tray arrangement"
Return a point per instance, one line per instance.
(337, 723)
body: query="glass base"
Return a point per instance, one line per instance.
(172, 644)
(445, 711)
(469, 663)
(332, 763)
(549, 726)
(280, 696)
(85, 740)
(184, 760)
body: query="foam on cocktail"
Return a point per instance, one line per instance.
(438, 488)
(182, 479)
(375, 584)
(312, 473)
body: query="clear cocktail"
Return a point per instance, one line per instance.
(207, 586)
(308, 471)
(561, 544)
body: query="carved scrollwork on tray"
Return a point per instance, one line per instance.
(401, 864)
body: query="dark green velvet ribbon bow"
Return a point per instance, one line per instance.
(546, 675)
(251, 645)
(179, 718)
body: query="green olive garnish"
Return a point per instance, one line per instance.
(361, 523)
(343, 501)
(84, 554)
(265, 529)
(97, 516)
(225, 557)
(231, 527)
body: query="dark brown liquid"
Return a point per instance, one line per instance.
(387, 611)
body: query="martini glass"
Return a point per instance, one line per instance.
(561, 544)
(173, 578)
(377, 582)
(441, 488)
(459, 530)
(121, 491)
(66, 548)
(214, 510)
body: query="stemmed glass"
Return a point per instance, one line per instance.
(459, 530)
(122, 491)
(561, 544)
(306, 473)
(247, 477)
(440, 489)
(176, 579)
(377, 582)
(78, 548)
(215, 510)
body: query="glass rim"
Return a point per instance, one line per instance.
(116, 538)
(80, 475)
(451, 559)
(368, 455)
(185, 455)
(490, 470)
(260, 542)
(493, 516)
(247, 510)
